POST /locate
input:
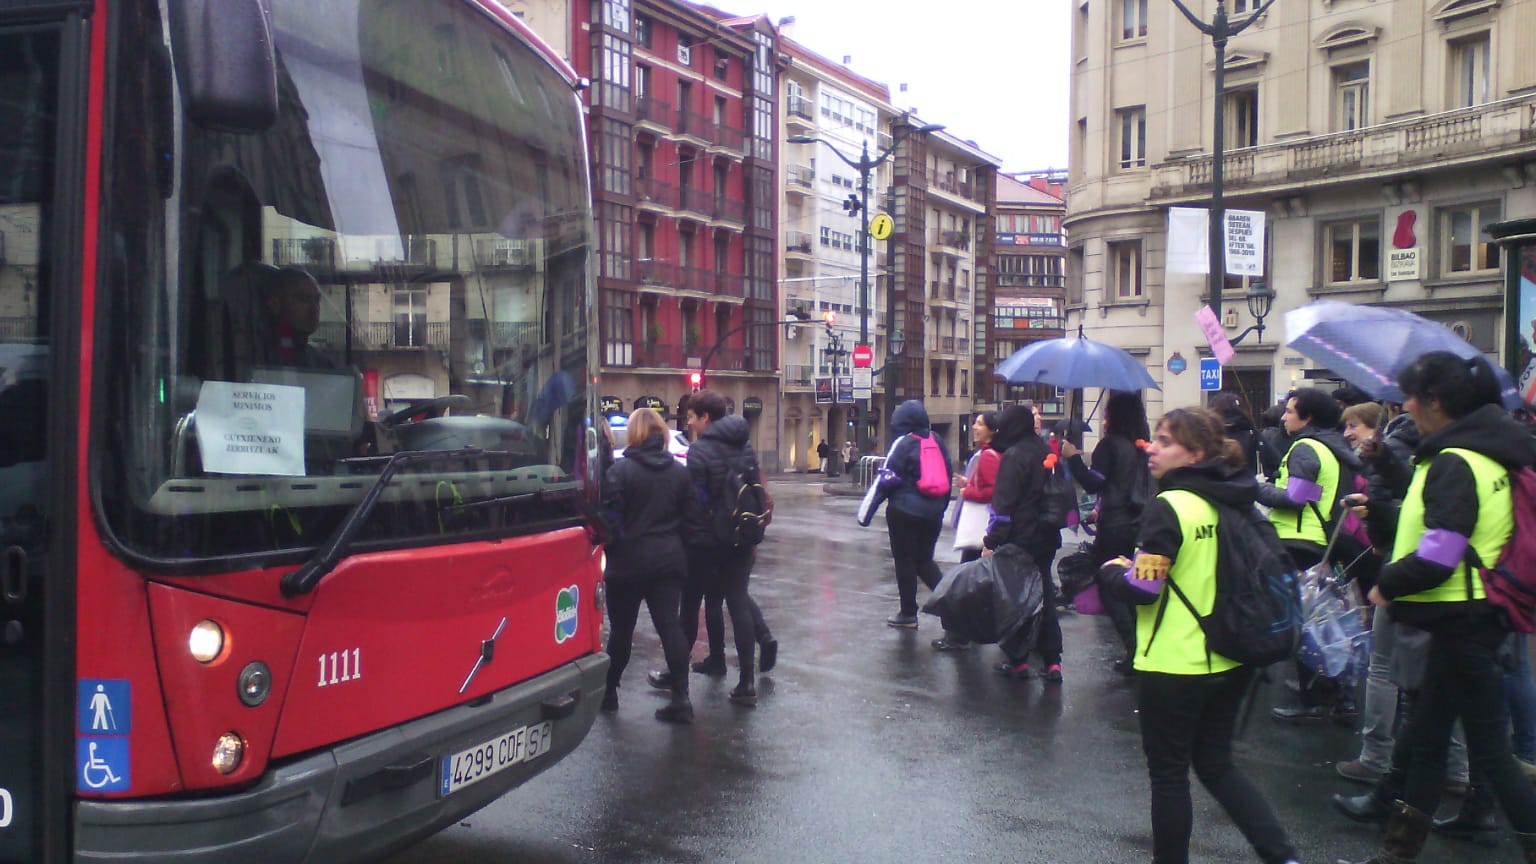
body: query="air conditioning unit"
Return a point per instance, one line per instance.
(685, 55)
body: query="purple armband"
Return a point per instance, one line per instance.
(1301, 491)
(1439, 546)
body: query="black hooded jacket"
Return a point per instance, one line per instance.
(650, 499)
(1120, 479)
(1020, 485)
(722, 446)
(1303, 462)
(1451, 504)
(1214, 480)
(905, 461)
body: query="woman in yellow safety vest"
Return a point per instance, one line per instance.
(1458, 504)
(1188, 698)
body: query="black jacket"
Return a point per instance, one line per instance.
(649, 498)
(1450, 503)
(1020, 486)
(721, 449)
(1239, 429)
(905, 461)
(1392, 465)
(1303, 462)
(1119, 477)
(1212, 480)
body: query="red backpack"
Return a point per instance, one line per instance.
(933, 477)
(1511, 582)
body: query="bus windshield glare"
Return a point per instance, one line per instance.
(400, 262)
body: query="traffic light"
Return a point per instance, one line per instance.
(830, 318)
(852, 205)
(696, 380)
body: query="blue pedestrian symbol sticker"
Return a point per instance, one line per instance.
(1210, 373)
(102, 764)
(105, 707)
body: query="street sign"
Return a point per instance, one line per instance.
(844, 388)
(863, 356)
(1210, 373)
(863, 383)
(881, 226)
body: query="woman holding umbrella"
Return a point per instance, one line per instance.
(1459, 502)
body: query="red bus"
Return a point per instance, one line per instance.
(297, 454)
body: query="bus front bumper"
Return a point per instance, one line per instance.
(353, 802)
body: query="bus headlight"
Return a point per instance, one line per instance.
(228, 752)
(206, 642)
(255, 683)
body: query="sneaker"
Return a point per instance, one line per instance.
(745, 695)
(1359, 772)
(767, 656)
(661, 679)
(905, 622)
(1298, 712)
(610, 700)
(949, 644)
(1016, 671)
(1052, 674)
(713, 666)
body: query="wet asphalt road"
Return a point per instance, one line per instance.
(869, 746)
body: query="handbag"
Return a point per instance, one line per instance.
(971, 527)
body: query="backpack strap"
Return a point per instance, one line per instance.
(1183, 598)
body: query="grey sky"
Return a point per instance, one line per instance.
(993, 71)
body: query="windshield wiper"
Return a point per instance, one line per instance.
(304, 579)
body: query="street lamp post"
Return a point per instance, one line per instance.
(865, 165)
(1220, 29)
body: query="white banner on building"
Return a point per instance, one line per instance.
(1188, 240)
(1245, 242)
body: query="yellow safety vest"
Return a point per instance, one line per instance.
(1495, 524)
(1303, 524)
(1180, 648)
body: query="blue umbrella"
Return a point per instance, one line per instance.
(1075, 363)
(1369, 345)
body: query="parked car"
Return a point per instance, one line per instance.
(677, 442)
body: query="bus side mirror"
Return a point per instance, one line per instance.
(225, 63)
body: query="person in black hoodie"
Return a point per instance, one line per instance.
(1229, 406)
(1121, 480)
(716, 566)
(1016, 519)
(913, 520)
(1459, 504)
(649, 499)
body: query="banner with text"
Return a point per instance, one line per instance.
(1245, 242)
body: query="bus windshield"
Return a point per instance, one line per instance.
(400, 262)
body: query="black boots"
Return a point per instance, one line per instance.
(1407, 829)
(679, 710)
(1476, 821)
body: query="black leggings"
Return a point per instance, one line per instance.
(714, 623)
(722, 573)
(1188, 720)
(912, 541)
(661, 597)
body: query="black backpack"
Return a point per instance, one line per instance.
(1058, 498)
(744, 510)
(1256, 618)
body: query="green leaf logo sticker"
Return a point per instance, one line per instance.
(566, 617)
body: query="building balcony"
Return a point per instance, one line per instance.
(406, 334)
(728, 138)
(799, 179)
(799, 111)
(730, 285)
(653, 113)
(695, 201)
(798, 243)
(694, 126)
(658, 355)
(696, 279)
(943, 291)
(955, 244)
(501, 253)
(651, 273)
(728, 210)
(1481, 134)
(315, 254)
(798, 376)
(655, 195)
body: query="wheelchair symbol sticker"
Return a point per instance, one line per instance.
(102, 764)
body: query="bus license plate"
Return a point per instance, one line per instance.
(523, 744)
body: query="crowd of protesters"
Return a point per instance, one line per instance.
(1401, 501)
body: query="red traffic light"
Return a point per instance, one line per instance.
(696, 379)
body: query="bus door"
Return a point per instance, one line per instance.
(39, 171)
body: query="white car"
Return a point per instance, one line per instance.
(677, 442)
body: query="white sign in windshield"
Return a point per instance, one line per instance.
(251, 428)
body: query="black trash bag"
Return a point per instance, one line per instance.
(993, 599)
(1076, 572)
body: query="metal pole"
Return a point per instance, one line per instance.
(1218, 218)
(860, 434)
